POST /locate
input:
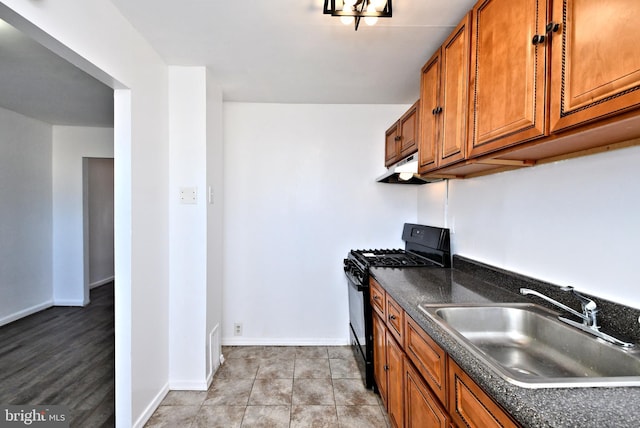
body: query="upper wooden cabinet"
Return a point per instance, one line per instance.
(595, 60)
(401, 139)
(508, 74)
(444, 90)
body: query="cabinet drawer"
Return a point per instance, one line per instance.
(378, 297)
(395, 319)
(470, 406)
(429, 358)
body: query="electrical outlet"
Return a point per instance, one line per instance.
(237, 329)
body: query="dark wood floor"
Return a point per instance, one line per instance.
(65, 356)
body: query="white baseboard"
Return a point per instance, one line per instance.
(25, 312)
(188, 385)
(102, 282)
(153, 405)
(63, 302)
(253, 341)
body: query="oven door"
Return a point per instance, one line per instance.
(360, 329)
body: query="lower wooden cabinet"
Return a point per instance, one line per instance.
(395, 383)
(388, 361)
(420, 385)
(470, 406)
(422, 408)
(380, 357)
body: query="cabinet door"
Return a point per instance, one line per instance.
(391, 146)
(508, 74)
(429, 103)
(470, 406)
(409, 131)
(422, 408)
(380, 357)
(454, 88)
(395, 383)
(596, 60)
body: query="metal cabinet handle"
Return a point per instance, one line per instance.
(538, 39)
(376, 297)
(385, 367)
(392, 317)
(552, 27)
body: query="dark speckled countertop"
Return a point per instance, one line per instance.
(544, 407)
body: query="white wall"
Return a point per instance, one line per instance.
(215, 177)
(187, 230)
(195, 129)
(573, 222)
(98, 219)
(70, 144)
(97, 38)
(299, 194)
(25, 216)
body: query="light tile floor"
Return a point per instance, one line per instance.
(278, 386)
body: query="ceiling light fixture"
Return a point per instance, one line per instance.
(353, 10)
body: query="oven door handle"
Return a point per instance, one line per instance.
(354, 282)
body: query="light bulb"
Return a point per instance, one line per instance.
(371, 20)
(405, 176)
(347, 20)
(379, 4)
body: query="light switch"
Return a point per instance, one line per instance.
(188, 195)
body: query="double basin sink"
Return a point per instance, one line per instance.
(527, 345)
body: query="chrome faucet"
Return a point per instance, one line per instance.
(589, 307)
(588, 315)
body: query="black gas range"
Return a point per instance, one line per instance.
(425, 247)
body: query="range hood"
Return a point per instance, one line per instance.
(404, 172)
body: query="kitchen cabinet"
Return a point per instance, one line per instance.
(444, 97)
(401, 139)
(508, 74)
(380, 357)
(422, 408)
(595, 60)
(388, 361)
(420, 385)
(470, 406)
(395, 319)
(378, 298)
(388, 358)
(429, 358)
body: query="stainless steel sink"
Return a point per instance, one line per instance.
(527, 345)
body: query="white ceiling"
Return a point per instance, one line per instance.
(284, 51)
(37, 83)
(288, 51)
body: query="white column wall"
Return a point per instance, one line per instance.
(187, 230)
(215, 171)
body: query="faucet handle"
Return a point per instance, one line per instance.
(589, 307)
